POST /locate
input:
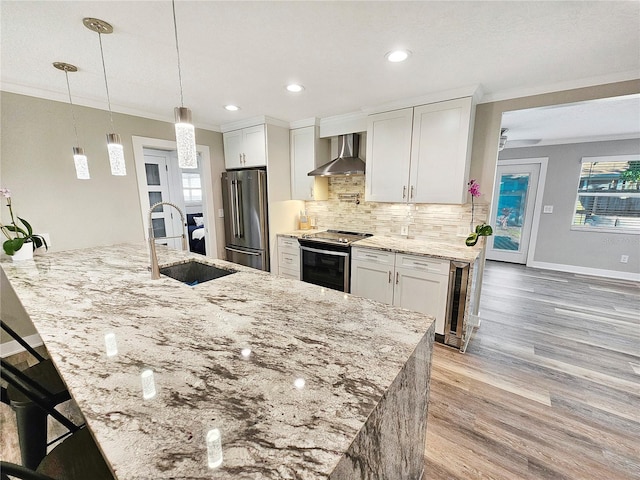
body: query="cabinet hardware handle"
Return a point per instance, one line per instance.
(389, 276)
(240, 155)
(404, 192)
(397, 277)
(244, 159)
(411, 194)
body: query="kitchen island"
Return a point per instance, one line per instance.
(301, 382)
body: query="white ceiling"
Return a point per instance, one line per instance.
(246, 52)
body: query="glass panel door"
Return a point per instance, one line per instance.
(510, 214)
(512, 211)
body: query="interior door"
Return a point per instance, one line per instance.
(164, 219)
(512, 214)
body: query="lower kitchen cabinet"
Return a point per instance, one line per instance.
(409, 281)
(373, 274)
(289, 257)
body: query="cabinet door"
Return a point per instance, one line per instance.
(254, 147)
(232, 142)
(372, 274)
(440, 152)
(388, 156)
(421, 290)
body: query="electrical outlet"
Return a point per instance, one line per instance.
(220, 213)
(404, 230)
(548, 209)
(624, 258)
(47, 238)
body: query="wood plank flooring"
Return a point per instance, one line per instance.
(549, 387)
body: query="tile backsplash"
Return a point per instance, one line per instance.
(425, 221)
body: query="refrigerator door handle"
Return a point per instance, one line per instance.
(242, 251)
(239, 220)
(232, 202)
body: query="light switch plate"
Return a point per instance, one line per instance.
(404, 230)
(548, 209)
(221, 213)
(624, 258)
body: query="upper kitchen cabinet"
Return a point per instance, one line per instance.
(420, 154)
(245, 148)
(388, 156)
(308, 151)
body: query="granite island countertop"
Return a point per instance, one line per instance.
(348, 350)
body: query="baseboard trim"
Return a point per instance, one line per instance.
(596, 272)
(11, 348)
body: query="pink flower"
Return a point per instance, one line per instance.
(474, 188)
(5, 192)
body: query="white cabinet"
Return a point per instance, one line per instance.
(308, 151)
(372, 274)
(245, 148)
(289, 257)
(420, 154)
(388, 156)
(409, 281)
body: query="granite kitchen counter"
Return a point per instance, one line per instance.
(455, 249)
(361, 412)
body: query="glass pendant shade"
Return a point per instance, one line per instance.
(185, 139)
(116, 154)
(82, 166)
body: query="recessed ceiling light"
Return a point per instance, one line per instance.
(295, 88)
(398, 55)
(232, 108)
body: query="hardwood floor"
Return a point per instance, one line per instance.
(549, 387)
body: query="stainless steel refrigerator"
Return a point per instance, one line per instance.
(244, 197)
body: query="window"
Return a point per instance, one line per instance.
(191, 187)
(609, 194)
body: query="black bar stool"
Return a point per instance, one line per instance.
(76, 458)
(33, 394)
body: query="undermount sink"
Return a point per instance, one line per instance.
(194, 272)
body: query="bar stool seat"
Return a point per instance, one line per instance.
(31, 419)
(76, 458)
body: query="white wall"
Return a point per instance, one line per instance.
(556, 243)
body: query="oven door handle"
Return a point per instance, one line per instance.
(326, 252)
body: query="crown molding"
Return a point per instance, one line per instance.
(559, 87)
(252, 122)
(474, 91)
(565, 141)
(98, 104)
(307, 122)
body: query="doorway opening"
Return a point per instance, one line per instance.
(161, 180)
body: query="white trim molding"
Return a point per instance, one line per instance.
(594, 272)
(12, 347)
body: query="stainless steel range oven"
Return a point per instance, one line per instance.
(326, 258)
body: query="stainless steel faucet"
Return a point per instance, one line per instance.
(155, 268)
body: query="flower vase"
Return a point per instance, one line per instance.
(25, 253)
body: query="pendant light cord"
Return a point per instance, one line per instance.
(175, 29)
(106, 85)
(73, 115)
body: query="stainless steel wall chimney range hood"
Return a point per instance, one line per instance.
(347, 162)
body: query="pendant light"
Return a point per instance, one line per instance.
(185, 132)
(114, 143)
(79, 158)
